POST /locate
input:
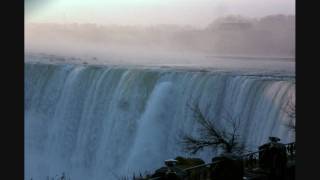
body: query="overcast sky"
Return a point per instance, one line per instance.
(150, 12)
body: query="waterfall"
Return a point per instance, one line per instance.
(101, 122)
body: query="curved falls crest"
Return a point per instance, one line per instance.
(103, 122)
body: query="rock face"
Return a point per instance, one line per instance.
(188, 162)
(273, 159)
(227, 167)
(177, 170)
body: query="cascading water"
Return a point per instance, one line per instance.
(100, 122)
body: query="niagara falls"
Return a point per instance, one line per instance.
(110, 96)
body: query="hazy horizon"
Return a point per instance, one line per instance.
(154, 27)
(197, 13)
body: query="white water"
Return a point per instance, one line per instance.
(98, 122)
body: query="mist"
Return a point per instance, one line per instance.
(270, 36)
(198, 13)
(152, 30)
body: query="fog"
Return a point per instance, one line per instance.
(149, 29)
(197, 13)
(270, 36)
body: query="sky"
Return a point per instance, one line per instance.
(150, 12)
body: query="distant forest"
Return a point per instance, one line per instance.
(272, 35)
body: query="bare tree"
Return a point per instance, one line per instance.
(210, 135)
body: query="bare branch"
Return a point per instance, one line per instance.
(211, 135)
(290, 111)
